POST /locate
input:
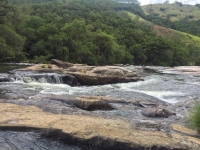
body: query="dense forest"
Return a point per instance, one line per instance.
(85, 31)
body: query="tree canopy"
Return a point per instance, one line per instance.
(84, 31)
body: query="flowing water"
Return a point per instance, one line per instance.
(175, 89)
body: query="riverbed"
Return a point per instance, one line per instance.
(178, 91)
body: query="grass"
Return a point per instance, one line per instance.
(175, 12)
(195, 117)
(167, 32)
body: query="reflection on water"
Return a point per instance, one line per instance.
(5, 68)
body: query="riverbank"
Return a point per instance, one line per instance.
(91, 131)
(149, 114)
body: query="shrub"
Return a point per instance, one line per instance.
(43, 66)
(49, 66)
(195, 117)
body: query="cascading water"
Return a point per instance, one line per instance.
(33, 77)
(176, 89)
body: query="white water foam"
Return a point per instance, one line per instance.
(167, 96)
(136, 84)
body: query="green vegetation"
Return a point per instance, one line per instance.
(174, 12)
(195, 117)
(184, 18)
(43, 66)
(89, 32)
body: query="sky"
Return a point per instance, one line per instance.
(191, 2)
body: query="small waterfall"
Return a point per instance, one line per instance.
(42, 80)
(52, 79)
(35, 77)
(58, 80)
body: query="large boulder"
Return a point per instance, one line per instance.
(87, 75)
(91, 75)
(96, 79)
(93, 103)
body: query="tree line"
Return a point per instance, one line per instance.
(83, 31)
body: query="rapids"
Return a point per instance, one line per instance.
(176, 89)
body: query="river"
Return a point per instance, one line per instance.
(176, 89)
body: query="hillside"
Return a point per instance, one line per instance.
(89, 32)
(167, 32)
(174, 12)
(184, 18)
(188, 40)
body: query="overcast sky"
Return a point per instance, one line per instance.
(144, 2)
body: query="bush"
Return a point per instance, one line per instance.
(49, 66)
(195, 117)
(43, 66)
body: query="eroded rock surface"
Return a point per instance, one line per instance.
(92, 75)
(156, 112)
(93, 103)
(87, 75)
(94, 131)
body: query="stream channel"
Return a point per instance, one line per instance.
(179, 91)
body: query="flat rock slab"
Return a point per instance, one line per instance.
(97, 132)
(87, 75)
(94, 103)
(194, 70)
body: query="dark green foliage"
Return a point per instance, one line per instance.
(162, 9)
(198, 5)
(85, 31)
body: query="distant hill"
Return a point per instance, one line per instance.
(167, 32)
(188, 40)
(184, 18)
(174, 12)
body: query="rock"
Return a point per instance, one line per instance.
(93, 103)
(61, 63)
(153, 112)
(88, 75)
(101, 70)
(99, 133)
(185, 130)
(70, 80)
(27, 79)
(113, 72)
(131, 74)
(6, 78)
(82, 69)
(95, 79)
